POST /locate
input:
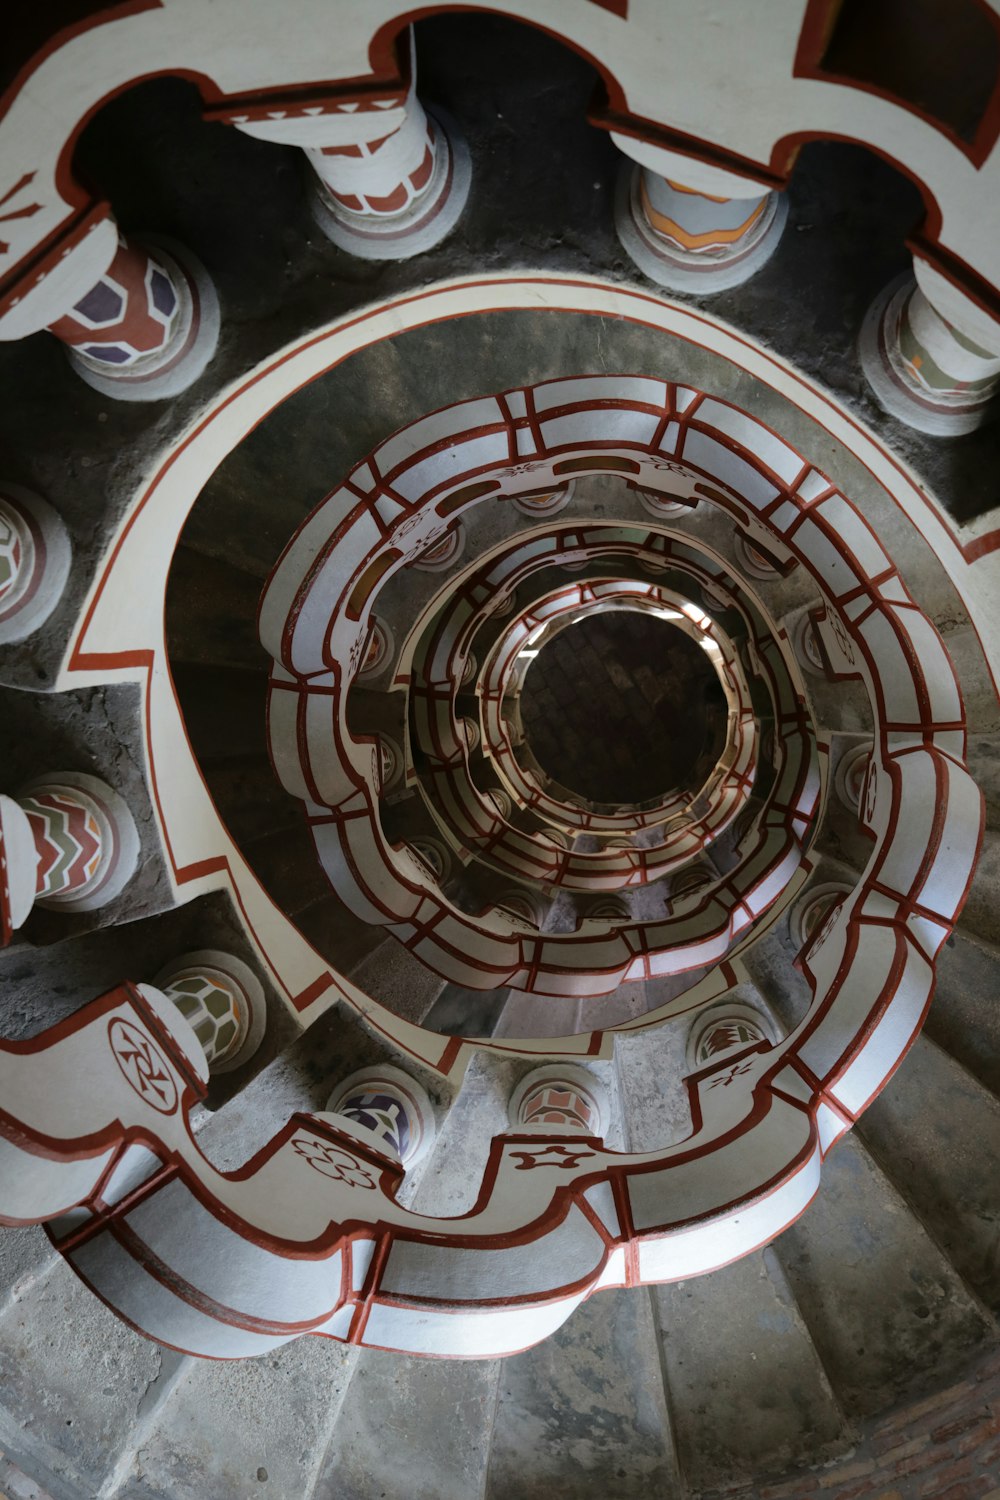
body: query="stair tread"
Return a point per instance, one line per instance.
(251, 1424)
(883, 1305)
(747, 1391)
(936, 1132)
(964, 1017)
(411, 1429)
(583, 1412)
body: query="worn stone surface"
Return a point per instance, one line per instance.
(964, 1016)
(256, 1426)
(980, 915)
(885, 1308)
(584, 1412)
(651, 1067)
(748, 1394)
(72, 1377)
(935, 1132)
(26, 1256)
(411, 1429)
(394, 977)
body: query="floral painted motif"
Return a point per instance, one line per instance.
(143, 1066)
(332, 1162)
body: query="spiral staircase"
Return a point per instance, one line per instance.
(682, 1112)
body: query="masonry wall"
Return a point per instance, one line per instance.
(946, 1447)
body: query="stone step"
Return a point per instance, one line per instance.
(336, 933)
(461, 1012)
(885, 1308)
(964, 1017)
(584, 1413)
(73, 1382)
(235, 1428)
(224, 710)
(747, 1392)
(212, 610)
(250, 797)
(391, 975)
(410, 1429)
(980, 915)
(983, 761)
(935, 1132)
(285, 861)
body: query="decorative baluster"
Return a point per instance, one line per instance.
(146, 328)
(68, 841)
(704, 231)
(930, 355)
(385, 1103)
(34, 561)
(222, 1000)
(391, 177)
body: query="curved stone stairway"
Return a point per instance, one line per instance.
(780, 1367)
(887, 1286)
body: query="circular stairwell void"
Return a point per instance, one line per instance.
(621, 708)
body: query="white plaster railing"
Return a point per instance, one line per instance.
(415, 484)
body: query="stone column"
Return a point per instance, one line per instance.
(391, 177)
(34, 561)
(702, 234)
(560, 1098)
(930, 355)
(388, 1105)
(726, 1029)
(222, 1000)
(146, 328)
(67, 842)
(813, 915)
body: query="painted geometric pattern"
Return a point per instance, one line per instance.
(929, 365)
(130, 313)
(398, 198)
(11, 554)
(214, 1011)
(711, 224)
(67, 841)
(382, 1113)
(550, 1104)
(731, 1033)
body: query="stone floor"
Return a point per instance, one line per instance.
(623, 707)
(17, 1486)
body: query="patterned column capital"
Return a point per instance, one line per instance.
(813, 914)
(391, 193)
(851, 775)
(693, 241)
(147, 327)
(222, 1001)
(560, 1097)
(921, 367)
(34, 561)
(67, 841)
(386, 1103)
(725, 1029)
